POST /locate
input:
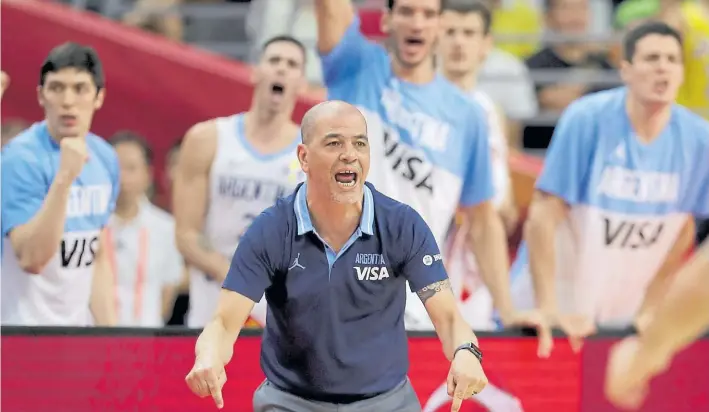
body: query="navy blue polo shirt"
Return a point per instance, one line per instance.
(335, 323)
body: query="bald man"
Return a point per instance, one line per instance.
(333, 260)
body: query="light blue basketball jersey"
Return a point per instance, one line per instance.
(628, 201)
(60, 294)
(428, 142)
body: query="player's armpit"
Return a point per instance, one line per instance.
(333, 19)
(190, 198)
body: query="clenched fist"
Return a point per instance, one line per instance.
(207, 379)
(74, 155)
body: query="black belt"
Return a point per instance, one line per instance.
(330, 398)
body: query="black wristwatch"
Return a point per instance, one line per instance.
(472, 348)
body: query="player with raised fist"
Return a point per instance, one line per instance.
(59, 186)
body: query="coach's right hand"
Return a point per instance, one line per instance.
(74, 155)
(207, 378)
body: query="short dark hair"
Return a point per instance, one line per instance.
(287, 39)
(390, 4)
(126, 136)
(632, 37)
(471, 6)
(76, 56)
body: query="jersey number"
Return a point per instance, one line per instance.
(632, 235)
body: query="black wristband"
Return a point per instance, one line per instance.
(472, 348)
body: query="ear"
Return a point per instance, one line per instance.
(100, 96)
(487, 46)
(625, 68)
(40, 98)
(385, 22)
(302, 152)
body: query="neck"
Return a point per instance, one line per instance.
(571, 53)
(421, 73)
(332, 218)
(127, 208)
(466, 81)
(265, 123)
(648, 120)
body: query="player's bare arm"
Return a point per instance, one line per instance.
(489, 244)
(545, 215)
(36, 242)
(680, 319)
(333, 18)
(215, 345)
(466, 377)
(103, 294)
(190, 200)
(657, 289)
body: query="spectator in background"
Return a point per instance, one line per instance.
(157, 16)
(512, 21)
(11, 128)
(505, 78)
(141, 241)
(570, 17)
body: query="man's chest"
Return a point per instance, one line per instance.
(357, 282)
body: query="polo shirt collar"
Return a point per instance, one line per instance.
(305, 224)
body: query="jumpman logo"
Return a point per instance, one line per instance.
(296, 264)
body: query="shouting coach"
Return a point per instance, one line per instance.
(333, 259)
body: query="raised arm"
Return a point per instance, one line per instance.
(32, 216)
(190, 200)
(333, 18)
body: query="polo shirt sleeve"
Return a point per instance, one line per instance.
(252, 266)
(422, 264)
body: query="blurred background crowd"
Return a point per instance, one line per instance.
(546, 54)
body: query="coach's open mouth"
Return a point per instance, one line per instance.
(346, 178)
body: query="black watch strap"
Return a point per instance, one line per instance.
(472, 348)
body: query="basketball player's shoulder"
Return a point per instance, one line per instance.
(200, 142)
(691, 125)
(599, 103)
(25, 145)
(455, 101)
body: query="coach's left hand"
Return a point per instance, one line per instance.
(466, 378)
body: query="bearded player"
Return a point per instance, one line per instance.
(230, 169)
(624, 177)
